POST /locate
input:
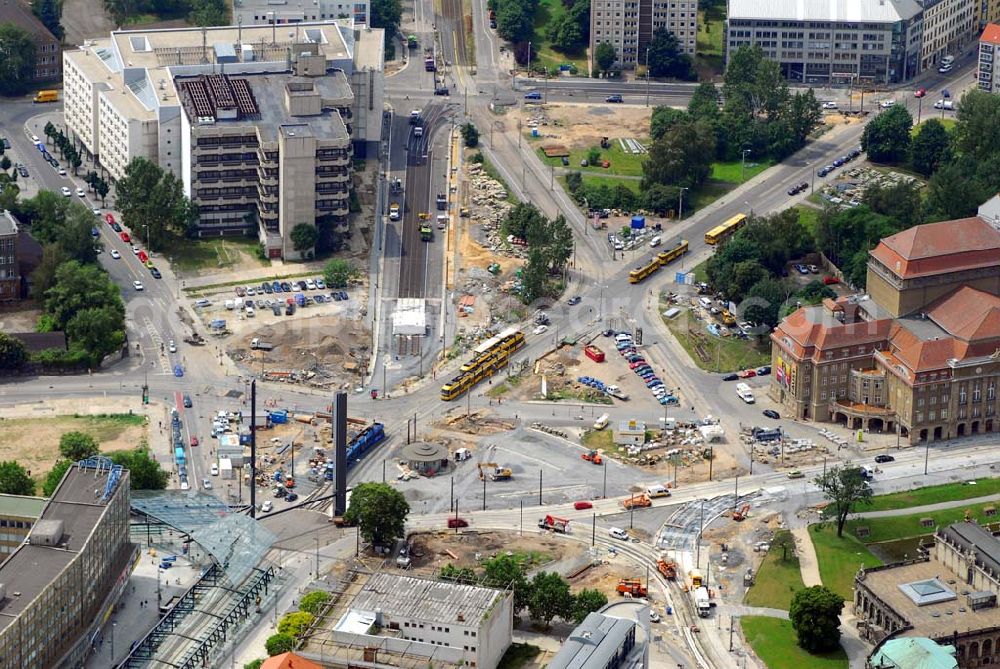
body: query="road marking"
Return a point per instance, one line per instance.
(157, 342)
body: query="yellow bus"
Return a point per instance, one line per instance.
(640, 273)
(673, 254)
(721, 233)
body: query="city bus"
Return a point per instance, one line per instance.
(721, 233)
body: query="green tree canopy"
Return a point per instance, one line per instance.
(470, 135)
(14, 479)
(664, 119)
(150, 196)
(886, 138)
(79, 287)
(296, 623)
(279, 643)
(667, 58)
(338, 273)
(604, 56)
(549, 597)
(77, 446)
(313, 602)
(815, 616)
(304, 236)
(13, 354)
(514, 21)
(682, 157)
(845, 489)
(503, 572)
(380, 511)
(17, 59)
(763, 302)
(144, 472)
(977, 125)
(587, 601)
(931, 147)
(49, 12)
(54, 476)
(955, 191)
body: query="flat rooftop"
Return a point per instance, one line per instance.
(423, 599)
(593, 643)
(21, 506)
(930, 620)
(30, 569)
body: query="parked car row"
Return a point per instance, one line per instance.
(748, 373)
(280, 287)
(642, 369)
(843, 160)
(795, 190)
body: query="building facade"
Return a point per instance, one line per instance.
(628, 25)
(124, 99)
(252, 12)
(59, 585)
(853, 41)
(17, 516)
(914, 354)
(989, 81)
(10, 272)
(48, 50)
(949, 25)
(948, 596)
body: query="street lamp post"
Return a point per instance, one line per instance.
(680, 204)
(647, 76)
(743, 165)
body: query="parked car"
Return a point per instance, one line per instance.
(829, 105)
(946, 105)
(155, 272)
(286, 287)
(320, 284)
(730, 377)
(884, 457)
(614, 98)
(886, 104)
(455, 522)
(115, 254)
(830, 280)
(66, 191)
(582, 505)
(276, 286)
(574, 300)
(267, 506)
(771, 413)
(533, 95)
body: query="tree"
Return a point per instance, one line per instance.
(102, 188)
(277, 644)
(13, 354)
(550, 597)
(802, 114)
(704, 103)
(604, 56)
(470, 135)
(977, 125)
(78, 287)
(666, 59)
(661, 199)
(54, 476)
(5, 163)
(386, 14)
(49, 13)
(77, 446)
(514, 22)
(208, 13)
(815, 616)
(900, 202)
(682, 157)
(505, 572)
(845, 489)
(296, 623)
(954, 192)
(450, 572)
(256, 664)
(380, 512)
(314, 601)
(785, 542)
(304, 236)
(14, 479)
(148, 196)
(533, 275)
(144, 472)
(931, 147)
(754, 85)
(587, 601)
(814, 292)
(560, 244)
(886, 138)
(763, 302)
(17, 59)
(566, 33)
(663, 119)
(75, 236)
(338, 273)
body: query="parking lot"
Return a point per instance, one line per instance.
(271, 298)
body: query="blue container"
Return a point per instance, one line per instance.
(638, 222)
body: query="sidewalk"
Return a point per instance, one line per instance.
(927, 508)
(808, 562)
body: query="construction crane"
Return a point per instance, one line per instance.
(554, 523)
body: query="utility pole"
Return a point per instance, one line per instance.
(451, 498)
(927, 455)
(317, 555)
(539, 487)
(711, 460)
(743, 166)
(647, 76)
(593, 530)
(604, 491)
(736, 495)
(520, 530)
(680, 206)
(701, 528)
(484, 492)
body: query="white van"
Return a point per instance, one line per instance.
(618, 533)
(623, 337)
(654, 242)
(601, 422)
(705, 302)
(655, 491)
(948, 60)
(229, 304)
(250, 311)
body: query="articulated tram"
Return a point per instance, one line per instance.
(488, 358)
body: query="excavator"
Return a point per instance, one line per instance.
(631, 587)
(741, 513)
(667, 568)
(496, 472)
(592, 456)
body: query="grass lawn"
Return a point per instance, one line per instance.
(902, 527)
(708, 56)
(701, 272)
(776, 582)
(709, 192)
(935, 494)
(808, 217)
(773, 640)
(734, 173)
(948, 122)
(547, 12)
(518, 655)
(597, 440)
(711, 353)
(192, 255)
(839, 558)
(622, 164)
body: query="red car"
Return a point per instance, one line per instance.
(194, 441)
(747, 373)
(830, 280)
(455, 523)
(110, 219)
(125, 237)
(920, 92)
(143, 257)
(580, 506)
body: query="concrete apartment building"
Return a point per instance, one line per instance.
(10, 272)
(282, 12)
(989, 56)
(123, 99)
(48, 50)
(59, 586)
(628, 25)
(948, 597)
(916, 353)
(398, 620)
(18, 514)
(949, 25)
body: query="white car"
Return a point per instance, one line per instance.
(215, 470)
(97, 212)
(115, 254)
(34, 138)
(310, 284)
(945, 69)
(138, 285)
(829, 105)
(541, 329)
(251, 291)
(206, 484)
(171, 346)
(885, 104)
(654, 617)
(266, 506)
(66, 191)
(947, 105)
(135, 249)
(62, 171)
(80, 193)
(619, 246)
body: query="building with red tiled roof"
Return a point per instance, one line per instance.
(289, 661)
(920, 353)
(989, 48)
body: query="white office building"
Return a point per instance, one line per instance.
(252, 12)
(949, 25)
(628, 26)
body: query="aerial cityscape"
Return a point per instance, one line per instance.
(502, 334)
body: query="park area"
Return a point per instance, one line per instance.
(773, 640)
(778, 577)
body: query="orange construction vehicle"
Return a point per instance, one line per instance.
(668, 569)
(554, 523)
(741, 513)
(637, 502)
(632, 587)
(592, 456)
